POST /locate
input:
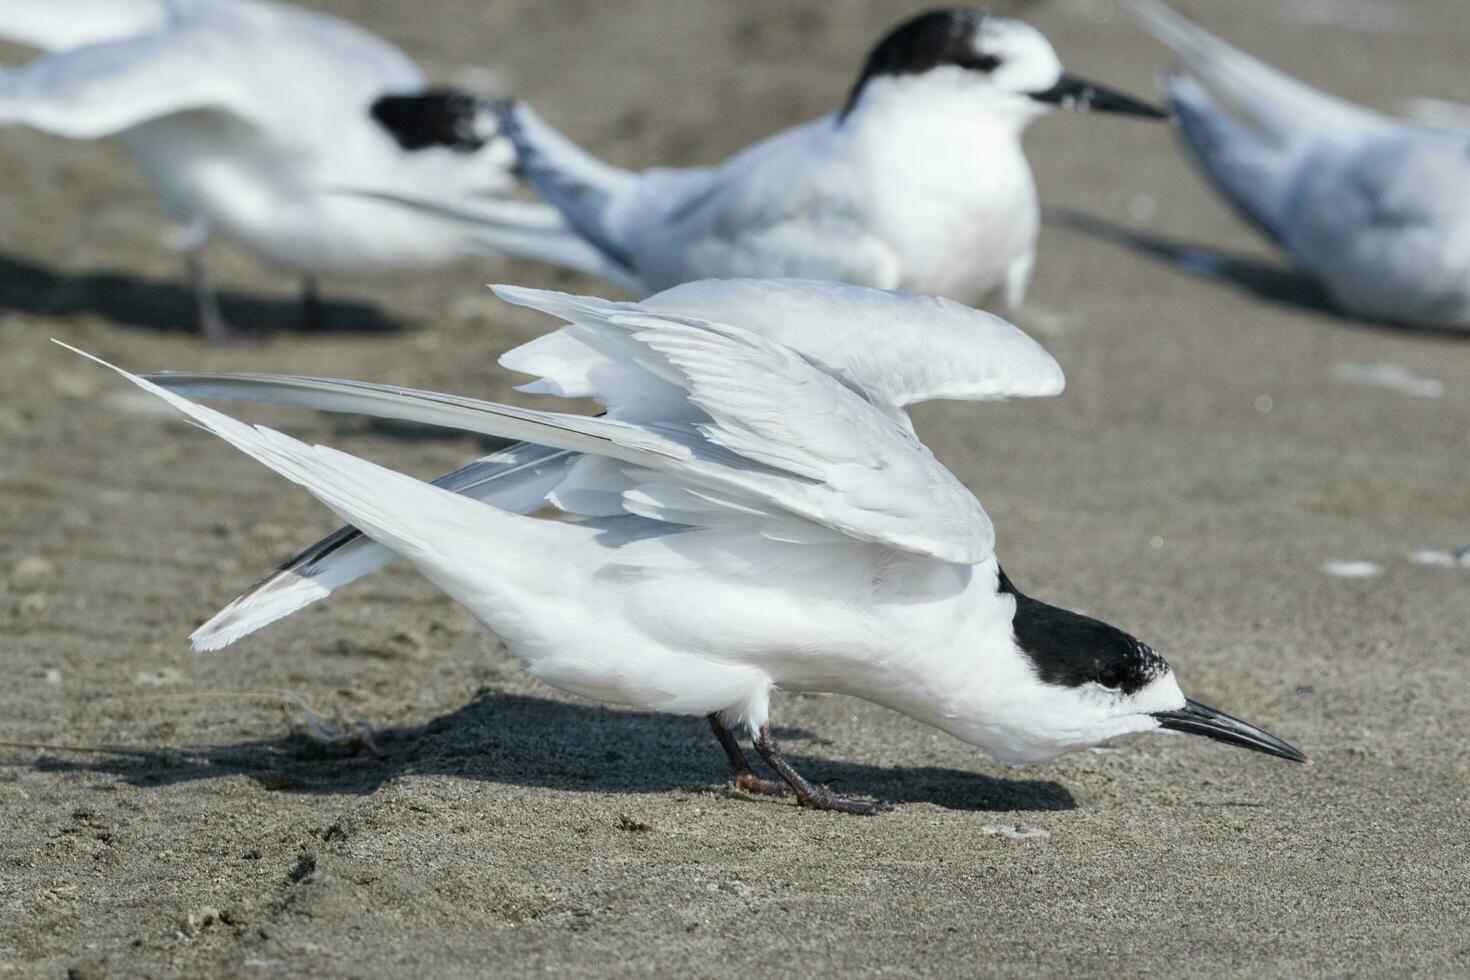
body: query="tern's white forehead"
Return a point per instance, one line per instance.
(1028, 63)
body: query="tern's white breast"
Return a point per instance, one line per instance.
(953, 196)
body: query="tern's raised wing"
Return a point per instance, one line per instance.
(787, 450)
(899, 347)
(103, 89)
(59, 25)
(903, 347)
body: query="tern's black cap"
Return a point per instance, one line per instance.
(930, 40)
(1069, 649)
(438, 117)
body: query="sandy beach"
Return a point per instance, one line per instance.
(1223, 442)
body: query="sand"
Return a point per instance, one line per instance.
(1216, 448)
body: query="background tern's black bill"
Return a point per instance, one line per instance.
(1080, 95)
(1200, 719)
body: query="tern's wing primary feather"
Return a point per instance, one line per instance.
(102, 89)
(769, 404)
(1253, 173)
(59, 25)
(515, 479)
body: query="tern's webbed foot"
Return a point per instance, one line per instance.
(808, 794)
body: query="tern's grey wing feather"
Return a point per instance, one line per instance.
(1250, 127)
(329, 395)
(902, 347)
(866, 474)
(789, 207)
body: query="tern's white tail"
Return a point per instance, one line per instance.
(442, 533)
(516, 479)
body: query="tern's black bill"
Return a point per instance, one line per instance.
(1080, 95)
(1199, 719)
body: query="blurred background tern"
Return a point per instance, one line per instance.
(918, 182)
(1375, 209)
(248, 117)
(754, 520)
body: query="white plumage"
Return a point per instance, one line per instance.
(254, 119)
(1377, 210)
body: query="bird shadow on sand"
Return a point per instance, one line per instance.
(1267, 280)
(168, 306)
(543, 743)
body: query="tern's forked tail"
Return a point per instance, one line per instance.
(442, 533)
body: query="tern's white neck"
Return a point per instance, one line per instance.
(940, 101)
(955, 663)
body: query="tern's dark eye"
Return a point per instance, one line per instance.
(1110, 677)
(981, 62)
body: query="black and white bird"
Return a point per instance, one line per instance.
(1375, 209)
(251, 118)
(918, 182)
(753, 518)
